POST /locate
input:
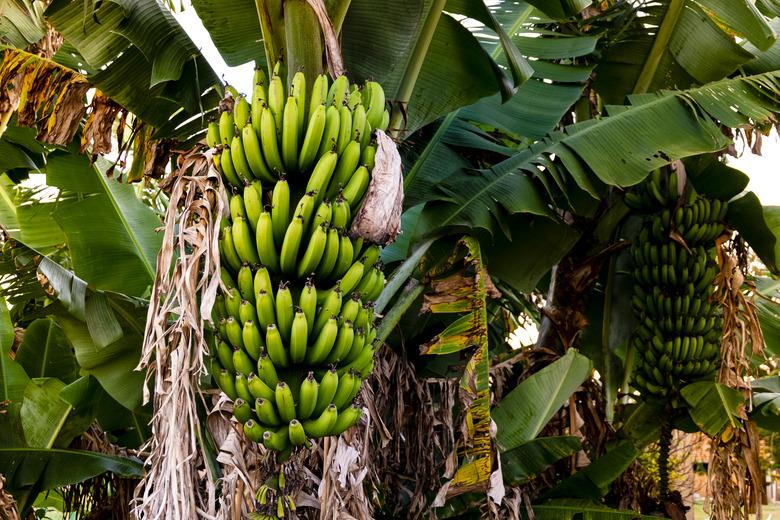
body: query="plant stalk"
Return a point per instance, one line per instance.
(660, 44)
(400, 276)
(337, 11)
(304, 41)
(414, 66)
(410, 293)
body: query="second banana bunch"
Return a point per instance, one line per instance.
(295, 321)
(680, 324)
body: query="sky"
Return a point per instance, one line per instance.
(763, 170)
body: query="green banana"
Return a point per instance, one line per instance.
(323, 424)
(264, 240)
(308, 396)
(275, 347)
(284, 402)
(266, 412)
(326, 390)
(290, 245)
(312, 139)
(284, 310)
(290, 135)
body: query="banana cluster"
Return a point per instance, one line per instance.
(272, 499)
(295, 319)
(679, 332)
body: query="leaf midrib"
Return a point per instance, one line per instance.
(103, 180)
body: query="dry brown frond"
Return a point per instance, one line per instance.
(735, 480)
(174, 348)
(7, 503)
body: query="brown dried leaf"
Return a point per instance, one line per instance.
(7, 503)
(332, 47)
(97, 129)
(379, 217)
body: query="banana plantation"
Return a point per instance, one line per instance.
(368, 259)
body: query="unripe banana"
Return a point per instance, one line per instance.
(266, 412)
(238, 157)
(340, 213)
(368, 156)
(308, 304)
(313, 138)
(253, 431)
(290, 135)
(254, 154)
(365, 137)
(305, 208)
(308, 396)
(284, 402)
(356, 187)
(284, 310)
(326, 390)
(297, 435)
(280, 210)
(314, 250)
(337, 95)
(241, 360)
(358, 122)
(320, 176)
(246, 311)
(243, 242)
(354, 98)
(264, 239)
(375, 101)
(226, 128)
(259, 97)
(379, 285)
(276, 98)
(275, 347)
(253, 340)
(323, 424)
(343, 343)
(228, 249)
(290, 245)
(322, 216)
(212, 135)
(269, 143)
(350, 308)
(298, 90)
(298, 337)
(241, 111)
(366, 285)
(348, 163)
(345, 258)
(242, 387)
(266, 309)
(331, 306)
(227, 281)
(225, 355)
(233, 331)
(319, 93)
(330, 255)
(227, 383)
(228, 170)
(258, 388)
(324, 342)
(346, 419)
(330, 134)
(352, 277)
(278, 440)
(266, 370)
(345, 129)
(242, 410)
(233, 303)
(357, 345)
(346, 384)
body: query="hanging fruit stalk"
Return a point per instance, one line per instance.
(296, 331)
(679, 324)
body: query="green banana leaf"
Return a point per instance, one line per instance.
(592, 482)
(680, 43)
(30, 469)
(111, 235)
(141, 57)
(620, 150)
(576, 509)
(235, 31)
(713, 406)
(48, 420)
(46, 352)
(524, 411)
(19, 26)
(759, 225)
(522, 463)
(13, 381)
(766, 403)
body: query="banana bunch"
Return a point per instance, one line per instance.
(679, 331)
(273, 503)
(295, 320)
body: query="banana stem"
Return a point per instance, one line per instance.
(337, 11)
(663, 460)
(414, 66)
(265, 26)
(410, 293)
(665, 31)
(304, 41)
